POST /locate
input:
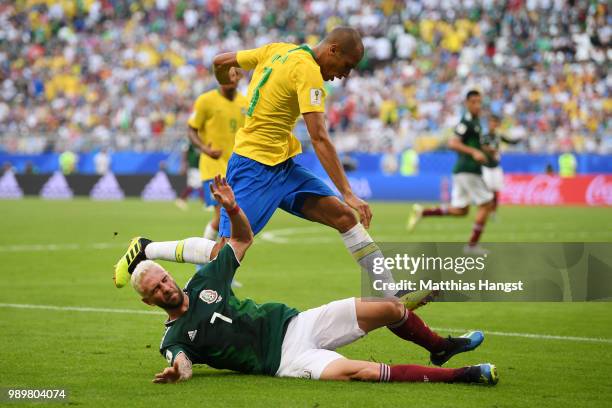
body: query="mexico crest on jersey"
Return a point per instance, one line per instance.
(210, 296)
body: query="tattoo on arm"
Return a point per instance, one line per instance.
(185, 367)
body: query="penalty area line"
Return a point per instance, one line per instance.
(151, 312)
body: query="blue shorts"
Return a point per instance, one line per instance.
(209, 200)
(261, 189)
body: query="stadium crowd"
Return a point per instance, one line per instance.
(124, 74)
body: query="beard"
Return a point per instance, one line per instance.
(170, 304)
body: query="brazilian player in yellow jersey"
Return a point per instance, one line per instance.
(288, 81)
(216, 117)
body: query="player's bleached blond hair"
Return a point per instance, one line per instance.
(142, 269)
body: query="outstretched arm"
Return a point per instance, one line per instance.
(180, 371)
(326, 152)
(241, 232)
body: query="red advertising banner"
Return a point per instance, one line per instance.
(528, 189)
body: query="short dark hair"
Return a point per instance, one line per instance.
(496, 118)
(471, 93)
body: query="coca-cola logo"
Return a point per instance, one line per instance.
(543, 189)
(599, 191)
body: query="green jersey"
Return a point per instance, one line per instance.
(494, 141)
(222, 331)
(469, 131)
(193, 157)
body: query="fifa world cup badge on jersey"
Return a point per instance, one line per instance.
(210, 296)
(316, 95)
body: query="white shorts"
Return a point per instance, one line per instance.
(313, 335)
(469, 188)
(193, 178)
(493, 177)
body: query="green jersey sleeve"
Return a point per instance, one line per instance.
(461, 130)
(172, 351)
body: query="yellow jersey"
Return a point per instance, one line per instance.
(217, 119)
(286, 82)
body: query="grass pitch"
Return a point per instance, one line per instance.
(61, 254)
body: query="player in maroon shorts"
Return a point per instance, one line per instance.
(468, 184)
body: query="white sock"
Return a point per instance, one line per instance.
(210, 232)
(364, 250)
(191, 250)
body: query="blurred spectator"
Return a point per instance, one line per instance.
(30, 168)
(409, 163)
(389, 163)
(123, 73)
(6, 167)
(102, 161)
(567, 164)
(67, 162)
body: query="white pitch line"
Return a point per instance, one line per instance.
(79, 309)
(531, 335)
(59, 247)
(151, 312)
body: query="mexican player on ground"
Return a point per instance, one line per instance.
(207, 324)
(287, 82)
(492, 172)
(468, 185)
(216, 117)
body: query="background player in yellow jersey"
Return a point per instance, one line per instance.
(288, 81)
(216, 116)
